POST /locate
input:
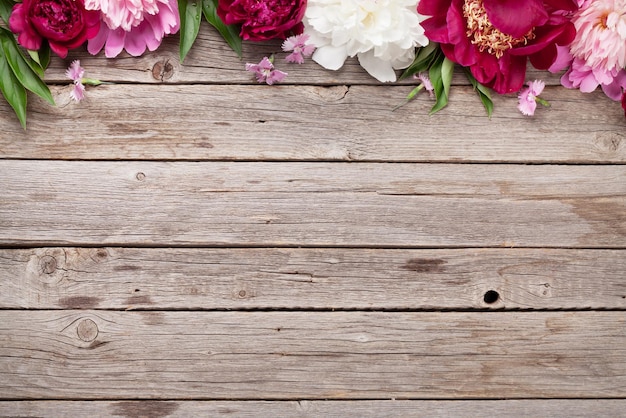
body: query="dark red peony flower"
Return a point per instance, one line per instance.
(262, 20)
(624, 103)
(65, 24)
(494, 38)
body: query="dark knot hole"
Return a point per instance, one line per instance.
(491, 296)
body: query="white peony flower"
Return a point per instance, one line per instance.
(383, 34)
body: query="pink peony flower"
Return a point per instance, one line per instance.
(265, 72)
(495, 38)
(262, 20)
(297, 44)
(133, 25)
(65, 24)
(597, 56)
(529, 96)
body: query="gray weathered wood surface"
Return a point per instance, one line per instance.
(186, 242)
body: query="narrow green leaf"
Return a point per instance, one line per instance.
(447, 71)
(35, 65)
(12, 90)
(423, 60)
(441, 85)
(190, 16)
(483, 93)
(5, 9)
(41, 58)
(44, 55)
(22, 69)
(230, 33)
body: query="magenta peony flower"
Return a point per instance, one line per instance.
(262, 20)
(65, 24)
(624, 102)
(597, 55)
(133, 25)
(495, 38)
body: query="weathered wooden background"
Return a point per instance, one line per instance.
(187, 242)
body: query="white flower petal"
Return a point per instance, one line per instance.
(380, 69)
(330, 57)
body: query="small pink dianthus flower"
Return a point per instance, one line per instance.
(265, 72)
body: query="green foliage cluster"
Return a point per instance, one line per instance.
(19, 72)
(191, 12)
(440, 70)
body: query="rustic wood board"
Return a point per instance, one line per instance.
(185, 204)
(304, 355)
(336, 123)
(252, 409)
(289, 278)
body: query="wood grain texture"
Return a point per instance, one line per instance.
(375, 409)
(338, 123)
(326, 355)
(212, 61)
(205, 279)
(188, 204)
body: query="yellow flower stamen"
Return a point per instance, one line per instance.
(484, 35)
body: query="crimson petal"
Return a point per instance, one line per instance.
(516, 17)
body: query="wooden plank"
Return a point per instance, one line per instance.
(311, 355)
(339, 123)
(570, 408)
(212, 61)
(205, 279)
(186, 204)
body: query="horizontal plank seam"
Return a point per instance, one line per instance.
(356, 399)
(485, 310)
(326, 161)
(37, 244)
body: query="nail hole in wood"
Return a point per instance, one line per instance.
(491, 296)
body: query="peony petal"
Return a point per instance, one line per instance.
(60, 50)
(563, 59)
(567, 5)
(436, 29)
(613, 90)
(589, 83)
(115, 43)
(95, 45)
(330, 57)
(433, 7)
(381, 70)
(516, 17)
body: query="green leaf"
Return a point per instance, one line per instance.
(440, 74)
(12, 90)
(5, 9)
(34, 55)
(41, 58)
(190, 16)
(423, 60)
(23, 71)
(484, 93)
(230, 33)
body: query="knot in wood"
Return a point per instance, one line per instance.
(87, 330)
(48, 264)
(162, 70)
